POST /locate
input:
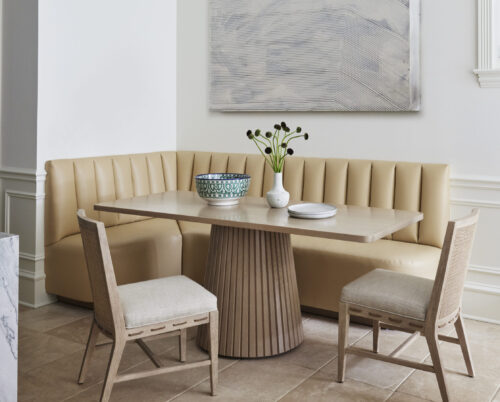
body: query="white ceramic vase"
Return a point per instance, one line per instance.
(278, 197)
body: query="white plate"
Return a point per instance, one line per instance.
(312, 211)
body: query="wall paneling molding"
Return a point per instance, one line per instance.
(482, 289)
(22, 193)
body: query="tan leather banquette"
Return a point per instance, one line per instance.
(144, 248)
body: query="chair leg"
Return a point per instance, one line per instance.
(343, 339)
(464, 344)
(89, 350)
(432, 342)
(182, 345)
(114, 363)
(376, 333)
(214, 351)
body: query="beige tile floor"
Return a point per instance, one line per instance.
(52, 340)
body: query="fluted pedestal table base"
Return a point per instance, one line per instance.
(252, 273)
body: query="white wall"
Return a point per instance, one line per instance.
(107, 79)
(21, 187)
(19, 83)
(459, 124)
(80, 78)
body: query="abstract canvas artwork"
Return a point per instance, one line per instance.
(314, 55)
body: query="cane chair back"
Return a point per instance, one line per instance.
(107, 308)
(448, 288)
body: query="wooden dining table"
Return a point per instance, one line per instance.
(250, 266)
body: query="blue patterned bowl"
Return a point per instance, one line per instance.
(222, 188)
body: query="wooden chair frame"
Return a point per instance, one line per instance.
(429, 328)
(120, 335)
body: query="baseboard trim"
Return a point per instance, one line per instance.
(38, 305)
(482, 319)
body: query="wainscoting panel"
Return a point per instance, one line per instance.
(21, 201)
(482, 290)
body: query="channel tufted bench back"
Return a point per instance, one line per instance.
(80, 183)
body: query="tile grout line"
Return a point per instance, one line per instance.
(497, 392)
(413, 371)
(306, 378)
(319, 368)
(367, 383)
(200, 382)
(28, 372)
(124, 371)
(71, 320)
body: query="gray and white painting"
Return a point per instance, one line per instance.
(314, 55)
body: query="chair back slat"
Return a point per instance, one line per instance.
(107, 308)
(455, 257)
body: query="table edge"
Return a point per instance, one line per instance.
(263, 227)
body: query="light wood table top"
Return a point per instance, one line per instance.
(352, 223)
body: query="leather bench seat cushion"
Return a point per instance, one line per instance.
(323, 266)
(195, 242)
(331, 264)
(159, 300)
(391, 292)
(142, 250)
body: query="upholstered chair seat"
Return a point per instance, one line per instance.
(390, 292)
(420, 306)
(167, 299)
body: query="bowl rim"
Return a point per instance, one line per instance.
(238, 176)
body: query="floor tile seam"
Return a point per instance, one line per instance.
(361, 338)
(413, 372)
(396, 388)
(146, 358)
(52, 361)
(406, 393)
(73, 321)
(200, 382)
(51, 329)
(290, 390)
(306, 378)
(390, 396)
(497, 392)
(76, 351)
(447, 371)
(422, 360)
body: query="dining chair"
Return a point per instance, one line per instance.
(139, 310)
(412, 304)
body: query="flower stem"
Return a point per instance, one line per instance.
(263, 154)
